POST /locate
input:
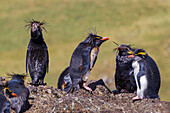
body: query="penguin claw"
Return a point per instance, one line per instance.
(43, 84)
(136, 98)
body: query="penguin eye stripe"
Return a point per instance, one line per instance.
(130, 52)
(98, 37)
(141, 53)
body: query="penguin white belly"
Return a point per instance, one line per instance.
(86, 75)
(142, 80)
(93, 56)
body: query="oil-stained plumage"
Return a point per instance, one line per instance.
(4, 102)
(124, 79)
(17, 85)
(37, 58)
(82, 62)
(146, 75)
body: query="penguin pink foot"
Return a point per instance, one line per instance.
(136, 98)
(86, 87)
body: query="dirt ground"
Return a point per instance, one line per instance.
(46, 99)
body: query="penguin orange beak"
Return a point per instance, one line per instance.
(105, 38)
(14, 95)
(131, 56)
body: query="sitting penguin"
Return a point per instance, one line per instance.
(82, 62)
(17, 85)
(5, 103)
(146, 75)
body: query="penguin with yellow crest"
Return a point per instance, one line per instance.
(147, 75)
(82, 62)
(19, 102)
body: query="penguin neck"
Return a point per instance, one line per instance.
(38, 39)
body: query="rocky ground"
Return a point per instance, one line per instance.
(46, 99)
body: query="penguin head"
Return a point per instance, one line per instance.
(17, 77)
(36, 28)
(124, 50)
(95, 39)
(4, 90)
(138, 53)
(17, 83)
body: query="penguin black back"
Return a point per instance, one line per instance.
(37, 58)
(124, 79)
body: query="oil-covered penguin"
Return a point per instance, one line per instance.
(5, 103)
(147, 75)
(82, 62)
(124, 79)
(16, 85)
(37, 58)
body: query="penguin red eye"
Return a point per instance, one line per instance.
(119, 48)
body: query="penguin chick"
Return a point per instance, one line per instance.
(37, 58)
(82, 62)
(5, 104)
(124, 79)
(17, 85)
(146, 75)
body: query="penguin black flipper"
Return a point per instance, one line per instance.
(5, 104)
(47, 63)
(140, 73)
(85, 61)
(27, 61)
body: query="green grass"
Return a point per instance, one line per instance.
(142, 23)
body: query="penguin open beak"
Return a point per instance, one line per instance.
(105, 38)
(131, 56)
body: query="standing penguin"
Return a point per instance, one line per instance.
(146, 75)
(82, 62)
(37, 58)
(124, 79)
(17, 85)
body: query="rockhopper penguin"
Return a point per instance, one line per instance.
(146, 75)
(37, 58)
(124, 79)
(4, 102)
(82, 62)
(17, 85)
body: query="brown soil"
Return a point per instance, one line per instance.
(46, 99)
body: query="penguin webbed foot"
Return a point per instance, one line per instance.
(87, 88)
(34, 83)
(136, 98)
(115, 91)
(124, 91)
(42, 83)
